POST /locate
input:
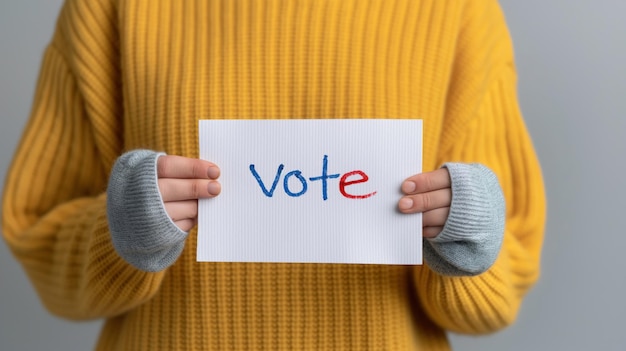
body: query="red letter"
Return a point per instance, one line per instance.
(343, 183)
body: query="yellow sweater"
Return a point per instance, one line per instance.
(126, 74)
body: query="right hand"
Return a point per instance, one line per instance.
(182, 181)
(429, 193)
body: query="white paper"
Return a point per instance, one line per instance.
(252, 221)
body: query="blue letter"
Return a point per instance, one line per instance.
(298, 175)
(324, 178)
(258, 179)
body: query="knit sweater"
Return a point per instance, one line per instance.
(124, 75)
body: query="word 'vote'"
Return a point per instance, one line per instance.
(347, 179)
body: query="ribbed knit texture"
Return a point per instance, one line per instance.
(471, 238)
(124, 75)
(141, 231)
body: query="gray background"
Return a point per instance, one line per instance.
(571, 57)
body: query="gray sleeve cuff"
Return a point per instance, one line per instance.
(142, 232)
(472, 235)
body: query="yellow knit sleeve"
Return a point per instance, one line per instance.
(54, 205)
(498, 139)
(484, 124)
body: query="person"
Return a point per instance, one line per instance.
(100, 202)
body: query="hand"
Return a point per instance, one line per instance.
(430, 194)
(182, 181)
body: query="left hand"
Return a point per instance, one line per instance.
(429, 193)
(182, 181)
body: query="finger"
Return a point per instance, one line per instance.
(426, 201)
(185, 224)
(169, 166)
(425, 182)
(179, 210)
(436, 217)
(431, 232)
(188, 189)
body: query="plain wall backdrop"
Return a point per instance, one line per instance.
(571, 58)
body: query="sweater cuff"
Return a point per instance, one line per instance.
(472, 235)
(141, 230)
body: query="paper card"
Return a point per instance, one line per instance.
(314, 191)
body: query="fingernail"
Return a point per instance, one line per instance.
(405, 203)
(214, 188)
(213, 172)
(408, 187)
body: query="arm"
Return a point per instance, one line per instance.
(54, 206)
(498, 139)
(483, 125)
